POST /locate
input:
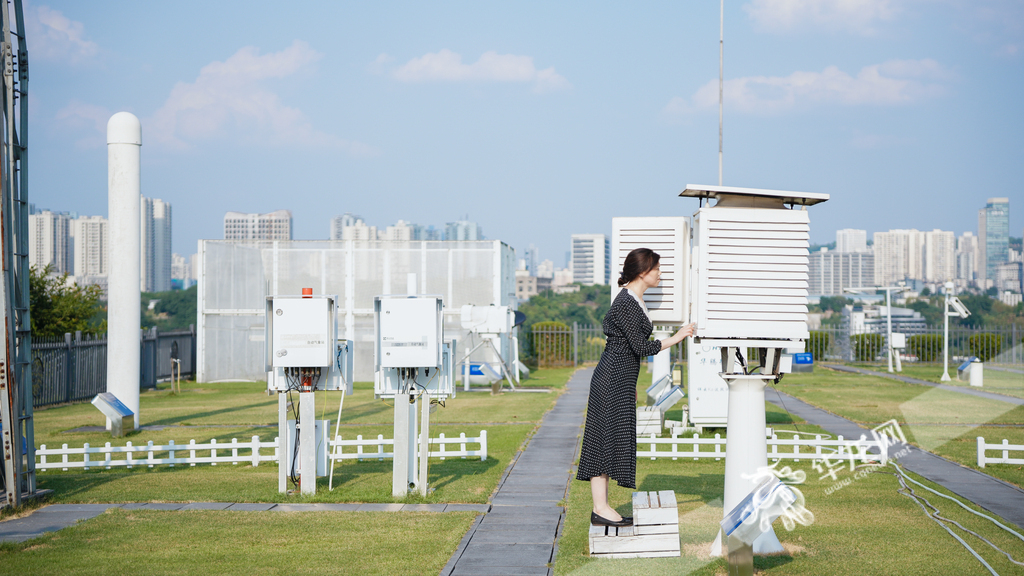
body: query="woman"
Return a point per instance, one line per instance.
(609, 439)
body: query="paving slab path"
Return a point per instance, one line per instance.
(990, 493)
(519, 535)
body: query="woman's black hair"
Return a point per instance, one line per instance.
(639, 261)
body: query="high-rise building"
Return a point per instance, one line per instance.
(276, 225)
(967, 258)
(155, 249)
(532, 260)
(899, 254)
(830, 273)
(181, 271)
(92, 246)
(463, 230)
(49, 241)
(358, 230)
(546, 269)
(403, 231)
(433, 234)
(993, 238)
(1009, 277)
(939, 256)
(338, 223)
(850, 240)
(591, 259)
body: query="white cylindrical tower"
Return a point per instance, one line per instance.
(124, 142)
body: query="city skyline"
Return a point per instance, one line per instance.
(535, 125)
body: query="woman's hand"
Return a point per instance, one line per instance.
(684, 332)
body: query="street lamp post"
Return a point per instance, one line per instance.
(960, 311)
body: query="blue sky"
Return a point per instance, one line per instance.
(536, 120)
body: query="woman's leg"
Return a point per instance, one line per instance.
(599, 492)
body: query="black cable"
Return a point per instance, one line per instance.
(791, 416)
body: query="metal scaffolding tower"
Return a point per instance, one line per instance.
(18, 437)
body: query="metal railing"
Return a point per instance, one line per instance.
(992, 345)
(550, 345)
(73, 368)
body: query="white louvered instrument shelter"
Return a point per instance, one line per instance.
(669, 237)
(752, 273)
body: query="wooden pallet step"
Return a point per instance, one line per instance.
(611, 540)
(653, 508)
(655, 530)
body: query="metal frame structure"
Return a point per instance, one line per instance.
(18, 441)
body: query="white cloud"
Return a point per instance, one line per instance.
(891, 83)
(860, 16)
(53, 36)
(447, 66)
(235, 96)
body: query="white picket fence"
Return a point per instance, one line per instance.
(1005, 447)
(442, 442)
(778, 448)
(234, 452)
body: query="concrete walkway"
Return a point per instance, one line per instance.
(990, 493)
(909, 380)
(57, 516)
(519, 535)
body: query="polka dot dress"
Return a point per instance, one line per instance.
(609, 438)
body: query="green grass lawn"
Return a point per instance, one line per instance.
(940, 421)
(863, 528)
(998, 381)
(223, 542)
(223, 411)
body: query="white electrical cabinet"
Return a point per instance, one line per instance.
(410, 354)
(707, 393)
(300, 333)
(669, 237)
(408, 331)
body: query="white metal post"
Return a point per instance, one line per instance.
(945, 339)
(662, 365)
(306, 431)
(424, 442)
(746, 455)
(888, 318)
(124, 141)
(283, 446)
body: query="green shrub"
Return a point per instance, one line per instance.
(866, 347)
(817, 344)
(927, 347)
(985, 345)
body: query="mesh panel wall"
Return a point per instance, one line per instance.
(236, 278)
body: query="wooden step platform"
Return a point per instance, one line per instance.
(654, 533)
(649, 420)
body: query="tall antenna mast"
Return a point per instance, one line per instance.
(721, 45)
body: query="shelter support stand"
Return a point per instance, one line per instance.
(662, 365)
(504, 369)
(408, 474)
(746, 452)
(305, 429)
(282, 442)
